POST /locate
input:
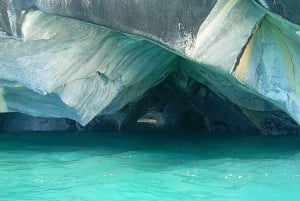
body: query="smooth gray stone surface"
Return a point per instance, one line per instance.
(288, 9)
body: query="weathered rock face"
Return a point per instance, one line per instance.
(286, 9)
(236, 63)
(65, 68)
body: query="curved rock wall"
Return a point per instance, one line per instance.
(246, 52)
(66, 68)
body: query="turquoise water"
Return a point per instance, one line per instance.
(148, 166)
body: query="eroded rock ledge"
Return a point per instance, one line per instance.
(227, 64)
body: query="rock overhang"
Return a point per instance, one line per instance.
(230, 47)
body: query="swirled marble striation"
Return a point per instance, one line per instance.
(81, 59)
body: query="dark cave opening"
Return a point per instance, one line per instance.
(178, 102)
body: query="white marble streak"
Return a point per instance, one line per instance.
(85, 65)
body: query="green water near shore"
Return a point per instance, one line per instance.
(153, 165)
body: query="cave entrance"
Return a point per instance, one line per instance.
(180, 101)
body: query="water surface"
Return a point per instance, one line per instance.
(148, 166)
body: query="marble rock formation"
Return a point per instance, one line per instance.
(233, 63)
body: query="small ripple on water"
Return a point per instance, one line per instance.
(163, 167)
